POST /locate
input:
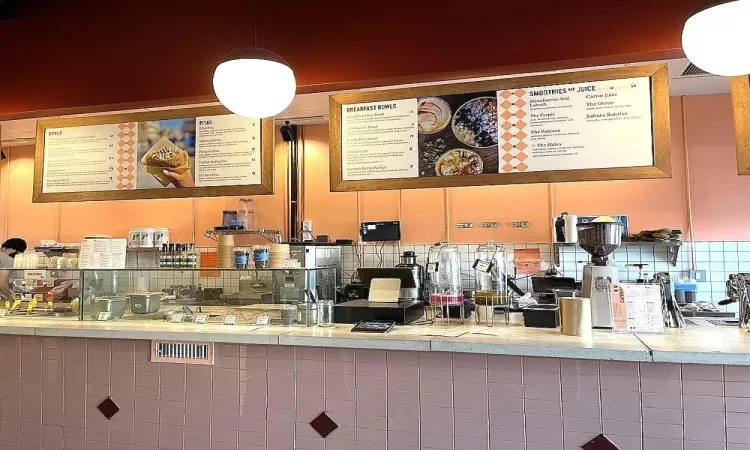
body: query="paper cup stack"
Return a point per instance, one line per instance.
(277, 254)
(226, 251)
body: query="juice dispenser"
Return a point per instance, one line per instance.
(490, 282)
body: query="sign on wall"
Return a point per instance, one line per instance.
(198, 152)
(741, 110)
(577, 126)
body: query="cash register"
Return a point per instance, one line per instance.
(383, 287)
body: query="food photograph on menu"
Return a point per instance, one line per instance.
(458, 134)
(166, 154)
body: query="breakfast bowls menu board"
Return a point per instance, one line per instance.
(740, 87)
(196, 152)
(586, 125)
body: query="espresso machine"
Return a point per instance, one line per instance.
(599, 239)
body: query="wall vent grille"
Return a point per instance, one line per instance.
(693, 71)
(183, 352)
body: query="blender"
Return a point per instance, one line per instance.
(599, 239)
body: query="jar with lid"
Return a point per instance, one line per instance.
(325, 313)
(444, 272)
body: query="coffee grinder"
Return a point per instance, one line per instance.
(599, 239)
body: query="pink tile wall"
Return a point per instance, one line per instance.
(263, 397)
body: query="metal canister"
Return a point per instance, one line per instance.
(575, 316)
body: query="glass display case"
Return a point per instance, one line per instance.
(204, 296)
(175, 295)
(42, 293)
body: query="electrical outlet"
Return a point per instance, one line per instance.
(463, 225)
(698, 275)
(307, 225)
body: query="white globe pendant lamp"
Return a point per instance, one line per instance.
(717, 38)
(254, 83)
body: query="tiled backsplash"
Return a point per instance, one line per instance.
(263, 397)
(718, 259)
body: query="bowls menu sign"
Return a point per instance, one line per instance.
(576, 126)
(198, 152)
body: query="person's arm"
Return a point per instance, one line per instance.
(5, 290)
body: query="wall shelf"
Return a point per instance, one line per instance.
(673, 248)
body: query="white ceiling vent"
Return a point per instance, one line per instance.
(183, 352)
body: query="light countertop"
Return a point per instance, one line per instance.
(703, 345)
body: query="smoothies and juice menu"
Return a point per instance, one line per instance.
(590, 125)
(193, 152)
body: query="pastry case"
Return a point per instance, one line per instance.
(42, 293)
(238, 296)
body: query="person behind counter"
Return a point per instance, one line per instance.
(8, 251)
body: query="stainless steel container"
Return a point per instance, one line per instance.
(114, 305)
(145, 303)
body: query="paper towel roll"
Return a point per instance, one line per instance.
(571, 232)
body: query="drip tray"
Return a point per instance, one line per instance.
(713, 322)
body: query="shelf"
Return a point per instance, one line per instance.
(270, 235)
(673, 248)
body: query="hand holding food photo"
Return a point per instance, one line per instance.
(165, 148)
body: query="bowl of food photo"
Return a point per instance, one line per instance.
(433, 114)
(459, 161)
(475, 122)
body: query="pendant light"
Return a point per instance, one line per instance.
(254, 82)
(716, 38)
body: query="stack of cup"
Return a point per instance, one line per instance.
(226, 251)
(278, 253)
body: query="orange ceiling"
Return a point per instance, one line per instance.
(79, 53)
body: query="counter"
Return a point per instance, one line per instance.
(702, 345)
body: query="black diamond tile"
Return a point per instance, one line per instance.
(600, 442)
(109, 408)
(324, 425)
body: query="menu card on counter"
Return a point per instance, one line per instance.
(636, 308)
(103, 253)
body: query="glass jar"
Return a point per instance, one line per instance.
(288, 314)
(325, 313)
(490, 282)
(444, 272)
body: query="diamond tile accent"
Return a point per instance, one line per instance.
(109, 408)
(600, 442)
(324, 425)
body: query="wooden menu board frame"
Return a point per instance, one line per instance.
(267, 144)
(661, 168)
(740, 87)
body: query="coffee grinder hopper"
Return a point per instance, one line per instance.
(599, 239)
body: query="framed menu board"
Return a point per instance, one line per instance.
(577, 126)
(195, 152)
(741, 109)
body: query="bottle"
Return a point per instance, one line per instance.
(163, 256)
(168, 256)
(192, 257)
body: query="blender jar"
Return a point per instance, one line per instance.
(444, 270)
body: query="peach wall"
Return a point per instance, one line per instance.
(69, 222)
(649, 204)
(332, 213)
(717, 197)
